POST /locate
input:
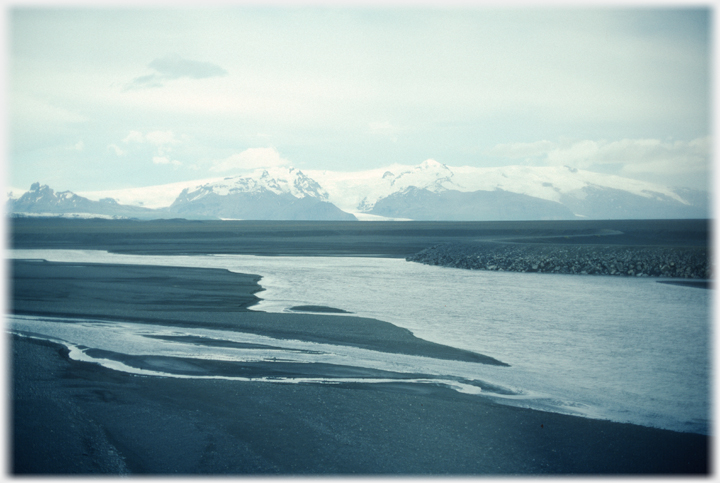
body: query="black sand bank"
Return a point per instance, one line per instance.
(74, 418)
(195, 297)
(78, 418)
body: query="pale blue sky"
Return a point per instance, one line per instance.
(115, 98)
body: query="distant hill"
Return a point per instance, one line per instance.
(582, 194)
(286, 194)
(42, 200)
(422, 204)
(428, 191)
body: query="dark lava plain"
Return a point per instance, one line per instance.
(333, 238)
(71, 418)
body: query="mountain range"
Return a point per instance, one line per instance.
(428, 191)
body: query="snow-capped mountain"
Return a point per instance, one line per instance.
(453, 205)
(428, 191)
(277, 194)
(360, 191)
(435, 191)
(160, 196)
(276, 180)
(41, 200)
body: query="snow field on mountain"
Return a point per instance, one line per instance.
(358, 191)
(159, 196)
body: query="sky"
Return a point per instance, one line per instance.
(112, 98)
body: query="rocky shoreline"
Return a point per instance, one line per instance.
(633, 261)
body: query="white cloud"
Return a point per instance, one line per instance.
(79, 146)
(675, 158)
(165, 160)
(162, 141)
(134, 137)
(250, 159)
(635, 157)
(160, 138)
(118, 151)
(582, 154)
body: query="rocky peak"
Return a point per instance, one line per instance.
(38, 191)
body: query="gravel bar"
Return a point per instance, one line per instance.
(632, 261)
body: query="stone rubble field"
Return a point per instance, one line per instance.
(634, 261)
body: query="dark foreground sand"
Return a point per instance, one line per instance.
(78, 418)
(72, 417)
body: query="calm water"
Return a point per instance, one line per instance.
(625, 349)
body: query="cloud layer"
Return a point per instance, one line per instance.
(632, 157)
(161, 143)
(250, 159)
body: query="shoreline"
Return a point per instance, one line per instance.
(171, 296)
(79, 418)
